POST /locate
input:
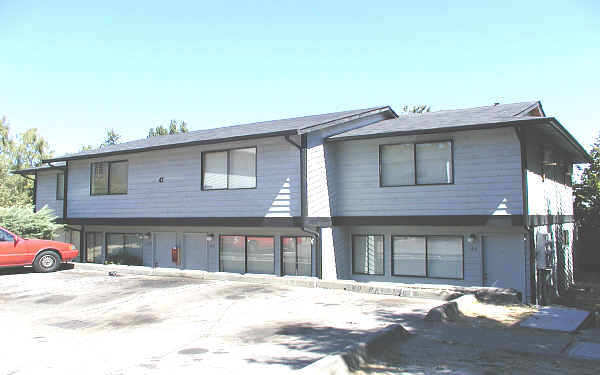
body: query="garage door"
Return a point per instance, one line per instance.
(504, 261)
(195, 254)
(163, 243)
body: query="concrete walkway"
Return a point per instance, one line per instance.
(556, 318)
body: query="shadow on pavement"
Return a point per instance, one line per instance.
(24, 270)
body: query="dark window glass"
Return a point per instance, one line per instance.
(5, 236)
(99, 178)
(124, 249)
(94, 247)
(367, 254)
(296, 256)
(260, 252)
(416, 163)
(109, 178)
(445, 257)
(409, 256)
(397, 165)
(242, 168)
(429, 256)
(118, 178)
(233, 258)
(60, 186)
(215, 170)
(434, 163)
(231, 169)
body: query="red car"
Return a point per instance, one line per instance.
(43, 255)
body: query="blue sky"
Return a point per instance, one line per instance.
(73, 69)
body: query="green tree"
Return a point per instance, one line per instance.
(587, 192)
(112, 138)
(26, 150)
(24, 222)
(587, 211)
(174, 128)
(416, 108)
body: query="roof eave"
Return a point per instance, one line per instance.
(440, 130)
(33, 171)
(173, 145)
(585, 156)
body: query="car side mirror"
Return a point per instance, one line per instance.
(16, 240)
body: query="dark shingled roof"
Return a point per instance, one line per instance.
(222, 134)
(440, 120)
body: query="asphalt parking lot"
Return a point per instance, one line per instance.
(88, 322)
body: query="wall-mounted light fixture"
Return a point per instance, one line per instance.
(210, 237)
(147, 235)
(471, 238)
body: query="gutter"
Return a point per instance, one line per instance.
(314, 234)
(565, 133)
(171, 145)
(491, 125)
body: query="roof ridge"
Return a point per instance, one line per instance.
(471, 108)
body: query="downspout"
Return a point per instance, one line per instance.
(65, 189)
(303, 210)
(35, 183)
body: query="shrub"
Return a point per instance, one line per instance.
(26, 223)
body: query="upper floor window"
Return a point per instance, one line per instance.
(231, 169)
(416, 164)
(60, 186)
(109, 177)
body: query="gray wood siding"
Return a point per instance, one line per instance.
(487, 178)
(180, 195)
(320, 174)
(548, 194)
(46, 192)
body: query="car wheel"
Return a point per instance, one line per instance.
(46, 261)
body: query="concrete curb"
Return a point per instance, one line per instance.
(346, 363)
(450, 310)
(433, 291)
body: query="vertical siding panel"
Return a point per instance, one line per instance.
(46, 192)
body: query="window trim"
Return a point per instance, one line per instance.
(352, 254)
(295, 237)
(108, 176)
(462, 240)
(245, 251)
(228, 151)
(415, 162)
(59, 184)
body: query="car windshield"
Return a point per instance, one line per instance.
(5, 236)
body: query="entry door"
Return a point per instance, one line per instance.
(195, 254)
(163, 243)
(504, 262)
